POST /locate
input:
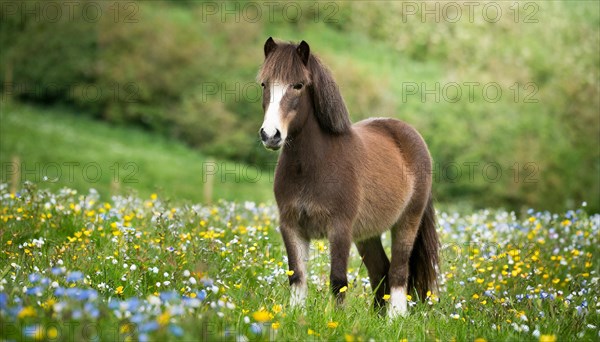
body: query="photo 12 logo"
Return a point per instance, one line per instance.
(269, 11)
(53, 172)
(453, 92)
(471, 11)
(55, 11)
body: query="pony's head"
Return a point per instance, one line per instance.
(295, 85)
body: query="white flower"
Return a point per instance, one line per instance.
(192, 280)
(166, 283)
(154, 300)
(54, 284)
(133, 267)
(158, 284)
(186, 273)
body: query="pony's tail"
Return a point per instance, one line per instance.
(424, 258)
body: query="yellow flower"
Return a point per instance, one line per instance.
(52, 333)
(475, 296)
(276, 308)
(119, 290)
(275, 325)
(310, 331)
(349, 338)
(289, 273)
(164, 318)
(261, 316)
(548, 338)
(153, 197)
(343, 289)
(27, 311)
(386, 297)
(332, 325)
(480, 339)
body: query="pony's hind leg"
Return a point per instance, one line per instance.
(297, 249)
(373, 255)
(404, 233)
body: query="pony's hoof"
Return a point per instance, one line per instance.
(394, 312)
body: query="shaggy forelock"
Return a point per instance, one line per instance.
(284, 65)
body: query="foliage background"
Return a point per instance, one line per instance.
(176, 70)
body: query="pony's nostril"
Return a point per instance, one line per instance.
(263, 135)
(277, 135)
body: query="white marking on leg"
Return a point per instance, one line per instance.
(300, 289)
(398, 302)
(299, 292)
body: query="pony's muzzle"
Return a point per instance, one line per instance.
(271, 142)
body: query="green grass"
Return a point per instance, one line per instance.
(75, 264)
(70, 149)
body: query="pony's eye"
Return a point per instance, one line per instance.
(262, 85)
(298, 86)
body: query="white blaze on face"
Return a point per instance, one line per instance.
(398, 302)
(273, 117)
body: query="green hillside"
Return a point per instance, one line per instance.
(58, 147)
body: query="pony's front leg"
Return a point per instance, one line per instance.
(340, 241)
(297, 249)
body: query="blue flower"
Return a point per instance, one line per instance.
(77, 314)
(168, 296)
(176, 330)
(3, 300)
(113, 304)
(74, 276)
(33, 290)
(56, 271)
(149, 326)
(91, 310)
(256, 328)
(34, 277)
(132, 304)
(32, 331)
(59, 291)
(138, 319)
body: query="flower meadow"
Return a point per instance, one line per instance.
(79, 267)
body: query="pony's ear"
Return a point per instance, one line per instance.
(270, 45)
(303, 51)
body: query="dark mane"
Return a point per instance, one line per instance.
(284, 64)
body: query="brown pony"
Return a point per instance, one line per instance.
(346, 182)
